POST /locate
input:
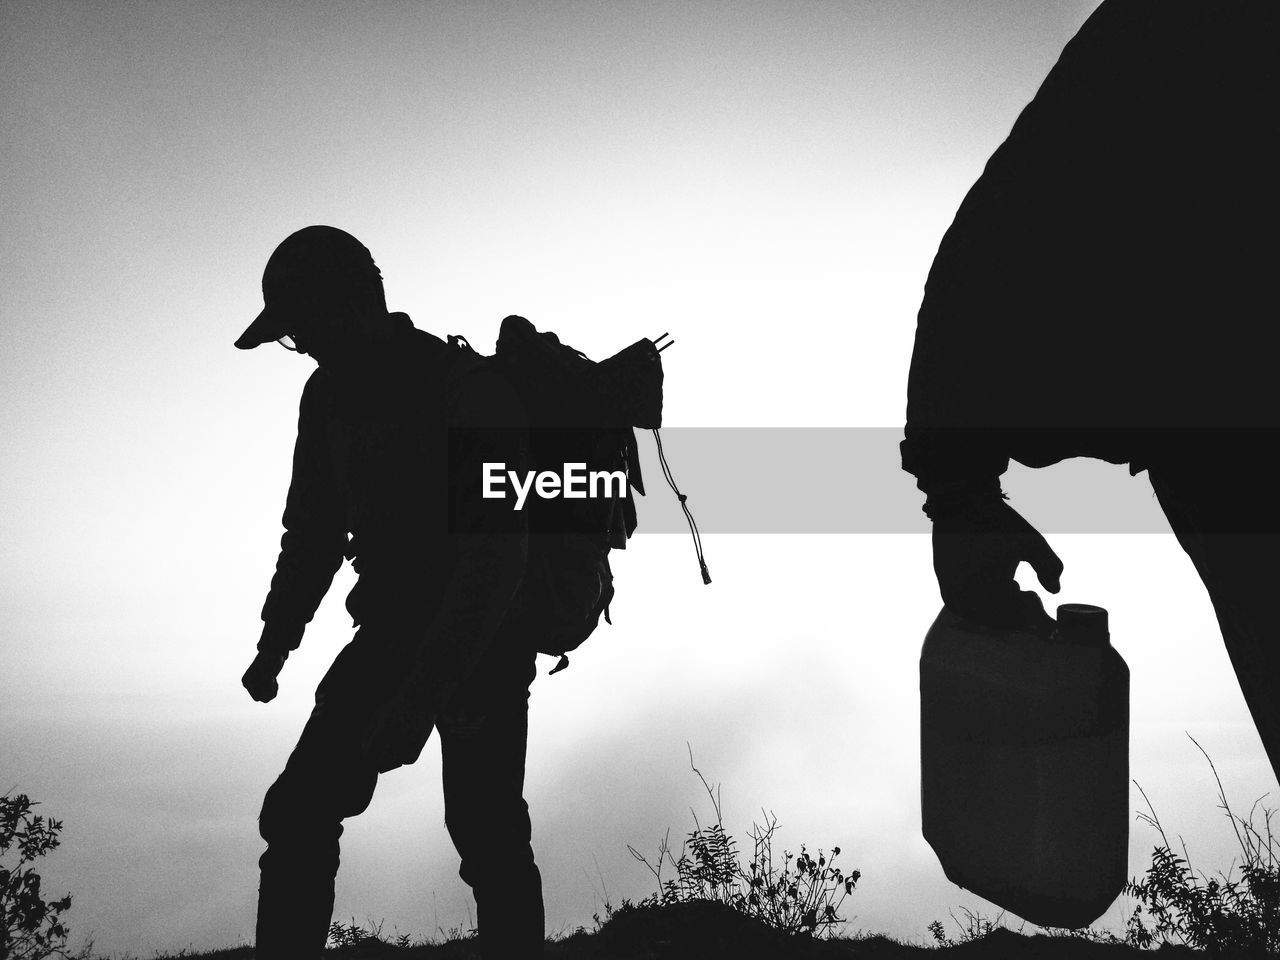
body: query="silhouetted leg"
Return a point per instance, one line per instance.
(323, 781)
(1209, 512)
(483, 737)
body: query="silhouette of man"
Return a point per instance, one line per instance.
(1106, 291)
(393, 427)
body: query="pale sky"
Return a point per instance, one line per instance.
(767, 181)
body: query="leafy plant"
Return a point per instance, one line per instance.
(32, 927)
(973, 927)
(371, 935)
(799, 895)
(353, 935)
(1236, 915)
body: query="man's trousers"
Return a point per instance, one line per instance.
(483, 736)
(1222, 505)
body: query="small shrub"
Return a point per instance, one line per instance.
(800, 895)
(32, 927)
(973, 927)
(353, 935)
(1085, 934)
(1236, 915)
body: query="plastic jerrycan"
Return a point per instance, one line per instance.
(1024, 762)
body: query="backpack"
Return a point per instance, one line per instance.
(579, 411)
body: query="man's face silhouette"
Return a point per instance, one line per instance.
(337, 334)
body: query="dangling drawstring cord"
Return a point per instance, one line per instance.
(693, 526)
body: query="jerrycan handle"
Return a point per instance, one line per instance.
(1082, 624)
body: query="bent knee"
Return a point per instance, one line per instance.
(287, 815)
(492, 835)
(275, 819)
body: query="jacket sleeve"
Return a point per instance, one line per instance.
(314, 539)
(1001, 327)
(490, 538)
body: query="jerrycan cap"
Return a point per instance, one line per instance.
(1083, 624)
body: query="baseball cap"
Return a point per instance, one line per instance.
(307, 265)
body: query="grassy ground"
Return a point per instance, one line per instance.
(715, 902)
(709, 931)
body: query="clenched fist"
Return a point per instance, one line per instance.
(260, 678)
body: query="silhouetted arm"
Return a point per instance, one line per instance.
(1008, 357)
(491, 545)
(311, 549)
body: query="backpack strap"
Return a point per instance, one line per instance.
(693, 526)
